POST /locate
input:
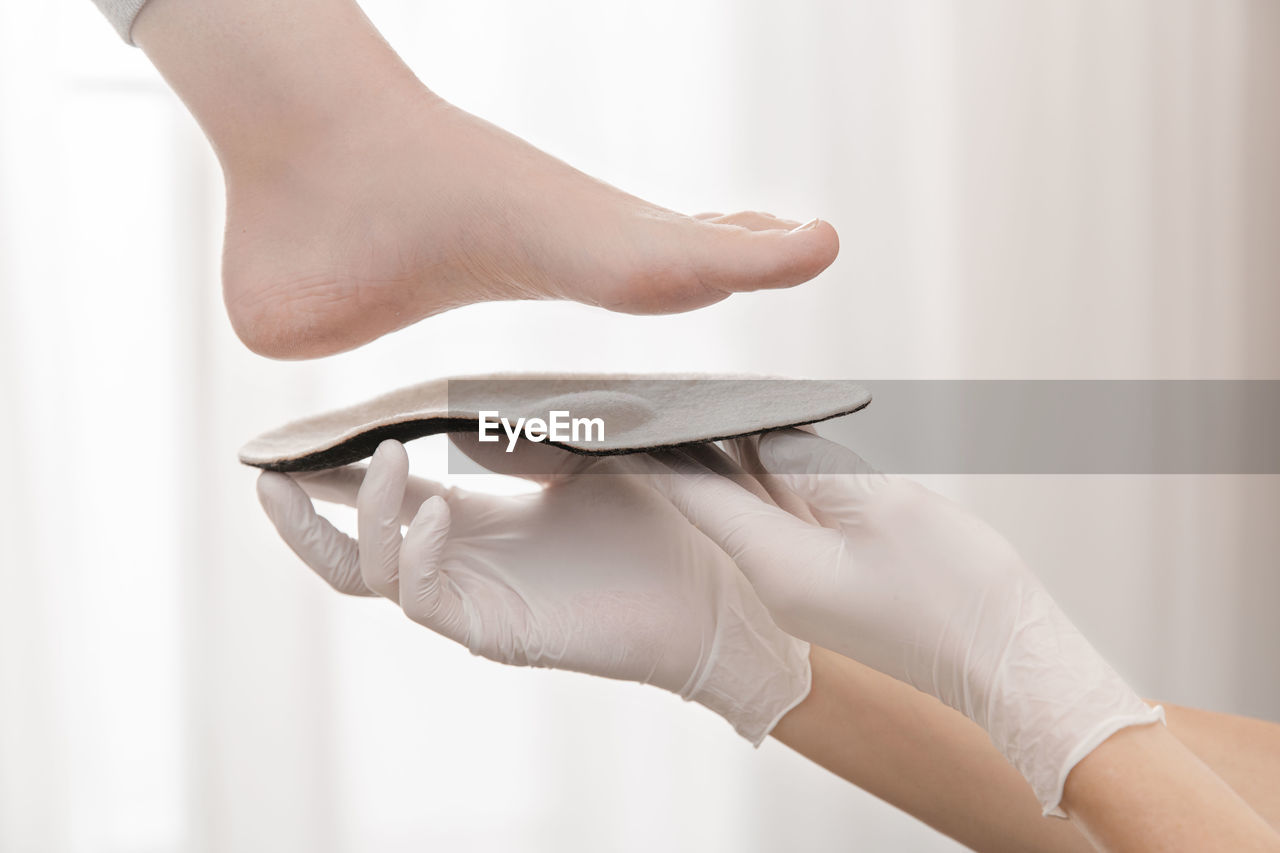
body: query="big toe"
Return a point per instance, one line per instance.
(746, 252)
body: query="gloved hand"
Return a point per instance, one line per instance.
(595, 573)
(893, 575)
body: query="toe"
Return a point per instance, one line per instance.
(738, 258)
(689, 262)
(754, 220)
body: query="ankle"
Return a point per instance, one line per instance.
(307, 77)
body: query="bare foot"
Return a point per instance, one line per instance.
(359, 203)
(439, 209)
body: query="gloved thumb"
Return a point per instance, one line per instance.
(427, 594)
(378, 504)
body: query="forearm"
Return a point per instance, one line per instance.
(1142, 789)
(270, 75)
(915, 753)
(930, 761)
(1245, 752)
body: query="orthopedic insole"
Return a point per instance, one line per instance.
(638, 413)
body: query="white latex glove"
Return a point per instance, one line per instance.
(893, 575)
(596, 573)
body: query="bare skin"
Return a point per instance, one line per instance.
(359, 202)
(1143, 789)
(915, 753)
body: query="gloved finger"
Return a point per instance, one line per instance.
(716, 461)
(831, 478)
(746, 452)
(758, 536)
(427, 595)
(342, 486)
(329, 552)
(378, 506)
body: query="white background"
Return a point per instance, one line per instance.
(1023, 190)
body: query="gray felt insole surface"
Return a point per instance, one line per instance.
(640, 412)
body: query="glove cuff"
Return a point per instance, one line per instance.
(1049, 792)
(754, 674)
(1054, 699)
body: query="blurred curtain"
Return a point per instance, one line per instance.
(1047, 190)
